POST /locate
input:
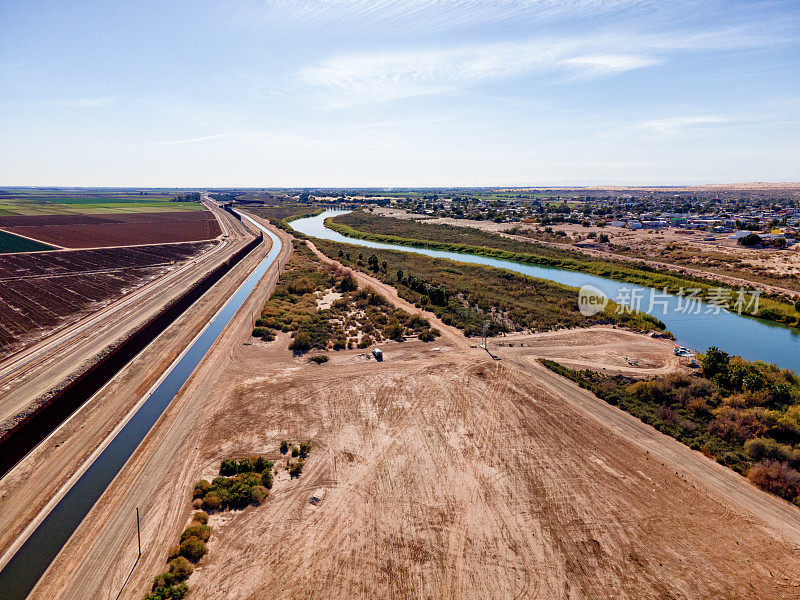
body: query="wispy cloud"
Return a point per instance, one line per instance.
(369, 77)
(677, 125)
(607, 64)
(194, 140)
(425, 15)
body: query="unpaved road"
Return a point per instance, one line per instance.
(27, 488)
(443, 474)
(27, 375)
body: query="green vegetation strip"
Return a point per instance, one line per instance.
(465, 295)
(745, 415)
(280, 216)
(14, 243)
(406, 232)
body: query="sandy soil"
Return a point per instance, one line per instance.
(615, 351)
(443, 474)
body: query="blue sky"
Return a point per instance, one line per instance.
(399, 92)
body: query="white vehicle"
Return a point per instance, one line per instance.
(378, 354)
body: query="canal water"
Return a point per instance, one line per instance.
(695, 325)
(21, 573)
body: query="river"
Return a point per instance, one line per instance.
(31, 560)
(695, 325)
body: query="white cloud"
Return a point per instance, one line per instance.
(607, 64)
(369, 77)
(405, 15)
(194, 140)
(676, 125)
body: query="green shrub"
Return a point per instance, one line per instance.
(201, 532)
(296, 469)
(265, 333)
(759, 449)
(284, 446)
(427, 336)
(295, 451)
(193, 549)
(245, 466)
(301, 343)
(212, 501)
(175, 592)
(201, 517)
(228, 467)
(776, 477)
(261, 464)
(258, 493)
(751, 239)
(305, 448)
(348, 283)
(394, 332)
(201, 488)
(174, 552)
(266, 479)
(320, 359)
(164, 580)
(180, 568)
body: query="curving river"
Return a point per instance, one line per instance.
(28, 564)
(695, 325)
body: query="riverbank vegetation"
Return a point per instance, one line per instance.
(466, 295)
(745, 415)
(364, 225)
(281, 215)
(325, 310)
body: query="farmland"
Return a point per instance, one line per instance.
(66, 202)
(14, 243)
(41, 291)
(121, 229)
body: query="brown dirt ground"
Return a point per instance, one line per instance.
(86, 231)
(443, 474)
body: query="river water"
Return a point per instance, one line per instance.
(695, 325)
(21, 573)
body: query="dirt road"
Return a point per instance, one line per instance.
(443, 474)
(32, 483)
(31, 373)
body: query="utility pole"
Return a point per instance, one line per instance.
(138, 532)
(485, 330)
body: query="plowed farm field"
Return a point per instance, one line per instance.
(122, 229)
(43, 290)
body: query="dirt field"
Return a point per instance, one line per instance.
(443, 473)
(123, 229)
(43, 291)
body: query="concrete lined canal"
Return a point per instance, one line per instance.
(750, 338)
(32, 559)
